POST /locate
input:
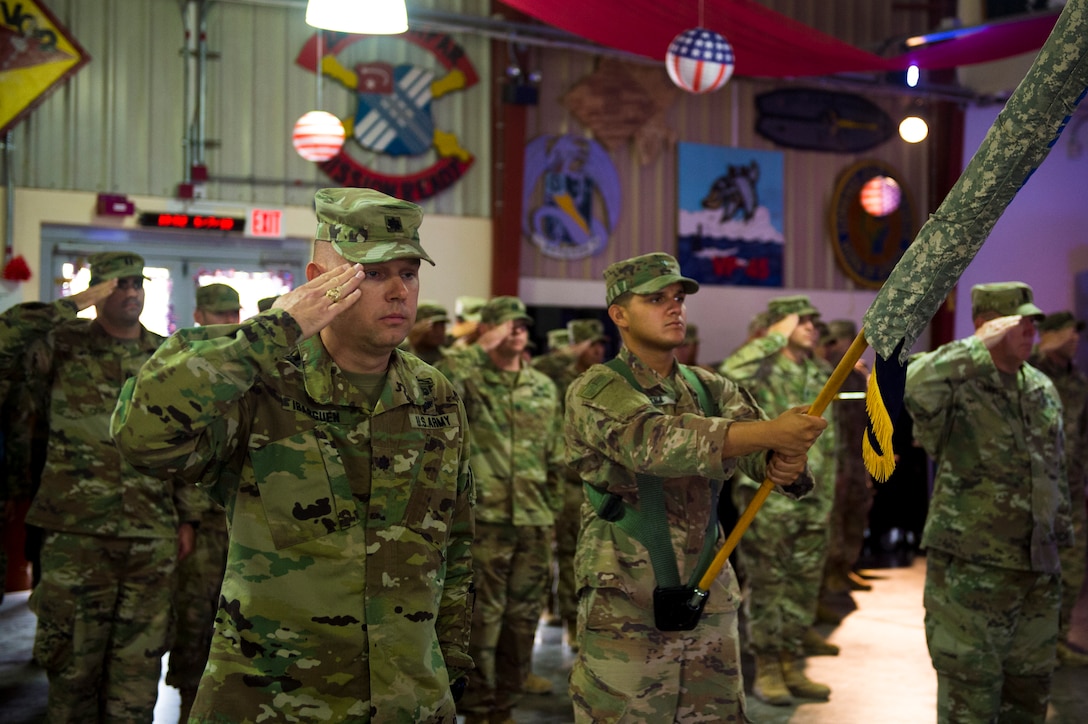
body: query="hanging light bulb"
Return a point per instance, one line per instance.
(364, 17)
(913, 129)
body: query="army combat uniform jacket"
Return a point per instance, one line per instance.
(347, 592)
(517, 446)
(1000, 496)
(86, 486)
(778, 384)
(614, 431)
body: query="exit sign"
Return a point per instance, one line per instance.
(266, 223)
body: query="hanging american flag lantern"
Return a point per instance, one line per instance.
(699, 60)
(318, 136)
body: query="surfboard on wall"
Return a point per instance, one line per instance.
(820, 120)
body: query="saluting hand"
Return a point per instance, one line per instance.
(320, 300)
(493, 337)
(786, 325)
(995, 330)
(93, 295)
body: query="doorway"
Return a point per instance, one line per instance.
(176, 264)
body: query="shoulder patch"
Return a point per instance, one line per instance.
(593, 387)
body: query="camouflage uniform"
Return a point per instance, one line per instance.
(563, 371)
(348, 583)
(627, 670)
(516, 462)
(200, 574)
(998, 515)
(110, 545)
(1072, 387)
(853, 485)
(784, 550)
(437, 314)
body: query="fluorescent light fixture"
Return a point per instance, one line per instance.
(363, 17)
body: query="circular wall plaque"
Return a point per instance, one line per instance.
(869, 246)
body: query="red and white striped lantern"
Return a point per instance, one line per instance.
(880, 196)
(318, 136)
(699, 60)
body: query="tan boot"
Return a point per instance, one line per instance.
(1070, 657)
(817, 645)
(793, 673)
(537, 685)
(857, 583)
(769, 685)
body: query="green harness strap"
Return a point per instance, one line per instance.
(648, 524)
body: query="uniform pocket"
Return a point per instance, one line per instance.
(599, 702)
(56, 612)
(304, 488)
(414, 480)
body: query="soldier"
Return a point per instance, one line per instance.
(112, 535)
(517, 463)
(1058, 340)
(587, 348)
(853, 485)
(427, 337)
(642, 428)
(999, 512)
(784, 550)
(217, 304)
(343, 466)
(200, 574)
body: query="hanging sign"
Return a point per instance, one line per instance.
(37, 55)
(392, 114)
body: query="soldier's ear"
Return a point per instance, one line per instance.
(618, 315)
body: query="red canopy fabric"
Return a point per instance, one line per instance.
(768, 44)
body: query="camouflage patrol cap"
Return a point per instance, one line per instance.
(432, 311)
(263, 305)
(797, 304)
(503, 309)
(367, 226)
(1060, 320)
(558, 338)
(1005, 298)
(691, 334)
(583, 329)
(839, 329)
(106, 265)
(217, 298)
(644, 274)
(468, 308)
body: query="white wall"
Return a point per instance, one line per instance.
(460, 246)
(1042, 238)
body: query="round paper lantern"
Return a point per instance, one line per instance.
(318, 136)
(699, 60)
(880, 196)
(913, 129)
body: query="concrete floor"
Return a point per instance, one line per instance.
(882, 675)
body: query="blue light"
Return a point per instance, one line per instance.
(912, 75)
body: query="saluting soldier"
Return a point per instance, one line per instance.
(342, 463)
(112, 535)
(999, 512)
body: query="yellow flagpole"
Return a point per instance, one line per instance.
(827, 394)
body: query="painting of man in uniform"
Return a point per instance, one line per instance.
(729, 225)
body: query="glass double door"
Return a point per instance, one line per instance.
(175, 266)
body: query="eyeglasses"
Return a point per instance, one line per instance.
(130, 283)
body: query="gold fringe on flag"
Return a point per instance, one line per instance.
(880, 464)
